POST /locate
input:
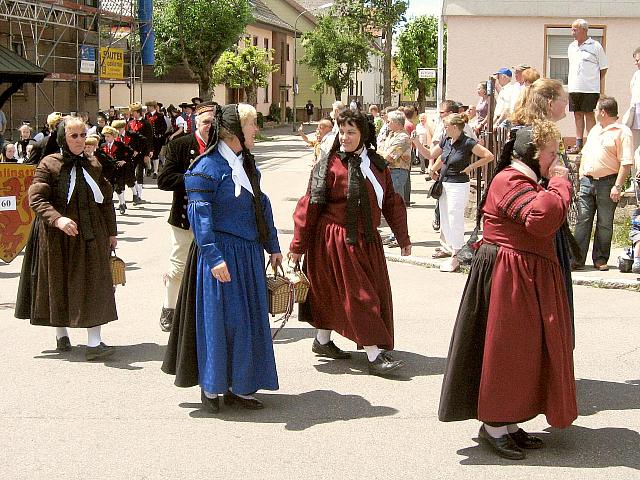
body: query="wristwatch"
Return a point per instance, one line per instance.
(619, 187)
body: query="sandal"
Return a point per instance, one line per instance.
(441, 254)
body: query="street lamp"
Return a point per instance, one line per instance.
(295, 55)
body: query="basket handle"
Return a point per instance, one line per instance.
(276, 273)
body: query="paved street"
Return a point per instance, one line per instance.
(64, 418)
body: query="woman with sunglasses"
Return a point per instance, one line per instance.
(66, 278)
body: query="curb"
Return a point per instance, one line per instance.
(595, 282)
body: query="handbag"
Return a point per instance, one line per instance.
(436, 189)
(285, 290)
(629, 116)
(117, 265)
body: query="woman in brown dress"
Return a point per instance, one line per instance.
(66, 279)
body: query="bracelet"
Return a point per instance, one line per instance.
(619, 187)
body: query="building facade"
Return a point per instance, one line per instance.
(536, 33)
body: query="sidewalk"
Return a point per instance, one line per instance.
(425, 240)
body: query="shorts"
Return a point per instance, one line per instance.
(583, 102)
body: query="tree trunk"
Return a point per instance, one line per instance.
(204, 85)
(338, 92)
(421, 96)
(252, 95)
(386, 68)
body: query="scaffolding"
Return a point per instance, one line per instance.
(56, 35)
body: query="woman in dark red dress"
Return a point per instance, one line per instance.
(511, 354)
(335, 228)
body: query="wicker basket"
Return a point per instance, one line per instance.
(286, 289)
(117, 269)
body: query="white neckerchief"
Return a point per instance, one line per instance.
(238, 175)
(524, 169)
(97, 194)
(365, 168)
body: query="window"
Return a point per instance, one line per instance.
(266, 94)
(266, 44)
(255, 41)
(18, 48)
(558, 40)
(287, 52)
(283, 64)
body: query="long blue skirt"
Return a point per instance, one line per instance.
(233, 336)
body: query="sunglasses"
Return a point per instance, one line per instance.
(76, 135)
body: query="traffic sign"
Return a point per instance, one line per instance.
(427, 73)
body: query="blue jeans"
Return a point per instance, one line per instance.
(399, 177)
(594, 198)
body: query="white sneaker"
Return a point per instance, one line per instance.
(450, 265)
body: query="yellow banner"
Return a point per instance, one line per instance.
(112, 63)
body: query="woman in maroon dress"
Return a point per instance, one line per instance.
(335, 228)
(511, 355)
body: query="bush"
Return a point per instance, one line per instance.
(289, 114)
(274, 112)
(260, 120)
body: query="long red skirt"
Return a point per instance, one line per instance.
(350, 289)
(527, 366)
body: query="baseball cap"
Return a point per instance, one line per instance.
(504, 71)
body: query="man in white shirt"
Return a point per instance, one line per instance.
(587, 67)
(505, 101)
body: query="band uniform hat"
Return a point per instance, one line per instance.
(205, 107)
(196, 100)
(134, 107)
(171, 108)
(118, 124)
(504, 71)
(183, 104)
(91, 140)
(160, 105)
(110, 130)
(151, 103)
(522, 66)
(53, 119)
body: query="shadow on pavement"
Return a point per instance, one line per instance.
(291, 335)
(8, 306)
(9, 275)
(136, 215)
(131, 239)
(299, 412)
(123, 358)
(124, 222)
(416, 365)
(598, 395)
(575, 447)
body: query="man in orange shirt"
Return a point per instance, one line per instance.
(607, 157)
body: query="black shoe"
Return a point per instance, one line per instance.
(212, 405)
(504, 446)
(384, 365)
(435, 225)
(154, 176)
(166, 319)
(524, 440)
(101, 351)
(122, 209)
(329, 350)
(136, 200)
(249, 403)
(63, 344)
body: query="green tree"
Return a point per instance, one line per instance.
(249, 68)
(418, 48)
(386, 15)
(375, 18)
(195, 33)
(336, 49)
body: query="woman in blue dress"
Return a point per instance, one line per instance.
(232, 225)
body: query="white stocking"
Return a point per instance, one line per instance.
(61, 332)
(121, 199)
(496, 432)
(372, 352)
(156, 163)
(323, 336)
(93, 336)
